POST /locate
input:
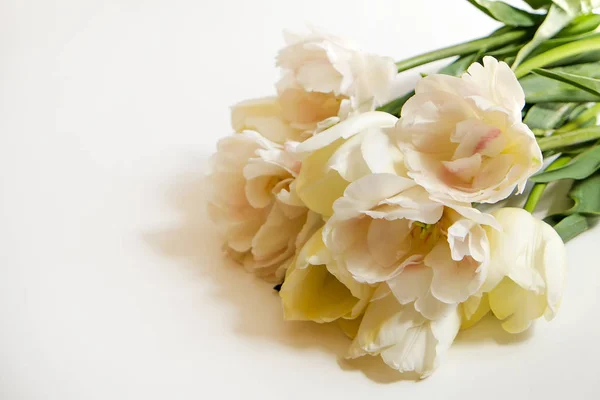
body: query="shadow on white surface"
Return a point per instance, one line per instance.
(197, 247)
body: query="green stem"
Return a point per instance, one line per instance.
(569, 138)
(585, 116)
(474, 46)
(538, 189)
(557, 54)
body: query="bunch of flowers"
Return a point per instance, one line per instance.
(385, 216)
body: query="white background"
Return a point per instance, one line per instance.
(112, 284)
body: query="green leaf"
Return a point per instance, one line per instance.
(555, 20)
(504, 52)
(590, 123)
(583, 115)
(591, 85)
(537, 4)
(507, 14)
(570, 226)
(459, 66)
(538, 189)
(586, 195)
(567, 139)
(561, 41)
(579, 111)
(582, 166)
(590, 56)
(558, 54)
(548, 115)
(540, 89)
(580, 25)
(577, 149)
(500, 38)
(567, 5)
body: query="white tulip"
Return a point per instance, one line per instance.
(405, 339)
(253, 201)
(527, 269)
(387, 229)
(323, 73)
(324, 79)
(463, 138)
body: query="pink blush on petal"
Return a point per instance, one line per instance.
(296, 167)
(486, 139)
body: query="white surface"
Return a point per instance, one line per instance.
(112, 284)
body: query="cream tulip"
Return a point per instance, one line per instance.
(253, 202)
(387, 229)
(527, 269)
(355, 147)
(403, 337)
(324, 79)
(326, 76)
(463, 138)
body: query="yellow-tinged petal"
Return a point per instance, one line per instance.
(316, 289)
(317, 185)
(527, 269)
(313, 252)
(350, 326)
(314, 294)
(473, 310)
(515, 306)
(264, 116)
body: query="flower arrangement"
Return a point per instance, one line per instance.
(386, 216)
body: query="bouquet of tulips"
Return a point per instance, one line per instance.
(388, 216)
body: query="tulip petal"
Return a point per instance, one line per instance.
(318, 186)
(474, 309)
(413, 204)
(311, 227)
(515, 306)
(382, 325)
(380, 154)
(406, 340)
(313, 294)
(467, 238)
(527, 269)
(453, 281)
(387, 240)
(348, 128)
(315, 253)
(463, 138)
(348, 160)
(277, 234)
(413, 285)
(473, 214)
(264, 116)
(496, 81)
(366, 193)
(350, 326)
(465, 169)
(365, 268)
